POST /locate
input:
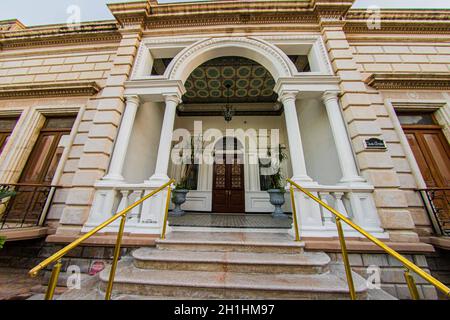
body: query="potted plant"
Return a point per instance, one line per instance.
(277, 187)
(182, 188)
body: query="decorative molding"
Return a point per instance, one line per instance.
(399, 21)
(55, 89)
(94, 32)
(269, 49)
(424, 81)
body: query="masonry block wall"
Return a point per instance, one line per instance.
(41, 65)
(361, 107)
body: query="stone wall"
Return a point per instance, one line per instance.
(87, 62)
(391, 273)
(401, 57)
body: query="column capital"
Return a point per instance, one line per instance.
(172, 97)
(330, 95)
(133, 99)
(286, 96)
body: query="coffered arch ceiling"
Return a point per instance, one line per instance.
(248, 81)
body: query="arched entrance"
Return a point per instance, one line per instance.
(232, 183)
(228, 194)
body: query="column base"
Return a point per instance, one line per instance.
(157, 180)
(113, 177)
(304, 181)
(356, 182)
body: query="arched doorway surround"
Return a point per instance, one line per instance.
(266, 54)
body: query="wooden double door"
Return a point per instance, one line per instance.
(35, 182)
(228, 188)
(432, 153)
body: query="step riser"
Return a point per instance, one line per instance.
(227, 267)
(220, 293)
(228, 248)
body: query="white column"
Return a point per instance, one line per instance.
(165, 141)
(123, 139)
(344, 151)
(294, 138)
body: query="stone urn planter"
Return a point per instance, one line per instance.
(277, 199)
(178, 198)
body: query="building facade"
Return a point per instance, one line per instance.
(92, 116)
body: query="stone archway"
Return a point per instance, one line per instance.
(266, 54)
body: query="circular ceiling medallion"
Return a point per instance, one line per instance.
(228, 93)
(190, 94)
(228, 72)
(228, 82)
(241, 93)
(215, 93)
(256, 83)
(254, 92)
(200, 84)
(244, 71)
(270, 83)
(214, 84)
(259, 71)
(198, 73)
(267, 92)
(213, 72)
(202, 93)
(242, 83)
(188, 85)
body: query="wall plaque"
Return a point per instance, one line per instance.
(374, 143)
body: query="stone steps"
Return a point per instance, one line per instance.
(230, 261)
(233, 265)
(232, 241)
(131, 280)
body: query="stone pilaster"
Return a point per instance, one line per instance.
(358, 111)
(101, 125)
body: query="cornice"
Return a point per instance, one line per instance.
(418, 81)
(54, 89)
(131, 15)
(60, 34)
(399, 21)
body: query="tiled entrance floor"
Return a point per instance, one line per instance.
(230, 221)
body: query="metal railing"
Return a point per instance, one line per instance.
(24, 205)
(123, 215)
(437, 204)
(408, 265)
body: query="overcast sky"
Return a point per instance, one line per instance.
(38, 12)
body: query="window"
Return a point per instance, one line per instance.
(160, 65)
(416, 118)
(6, 128)
(47, 151)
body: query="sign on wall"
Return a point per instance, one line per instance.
(374, 143)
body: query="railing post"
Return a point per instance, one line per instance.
(53, 281)
(348, 269)
(411, 285)
(294, 213)
(166, 212)
(112, 273)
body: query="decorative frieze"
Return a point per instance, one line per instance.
(55, 89)
(397, 80)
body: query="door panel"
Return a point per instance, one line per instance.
(432, 153)
(228, 188)
(421, 159)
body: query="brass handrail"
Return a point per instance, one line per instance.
(61, 253)
(409, 266)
